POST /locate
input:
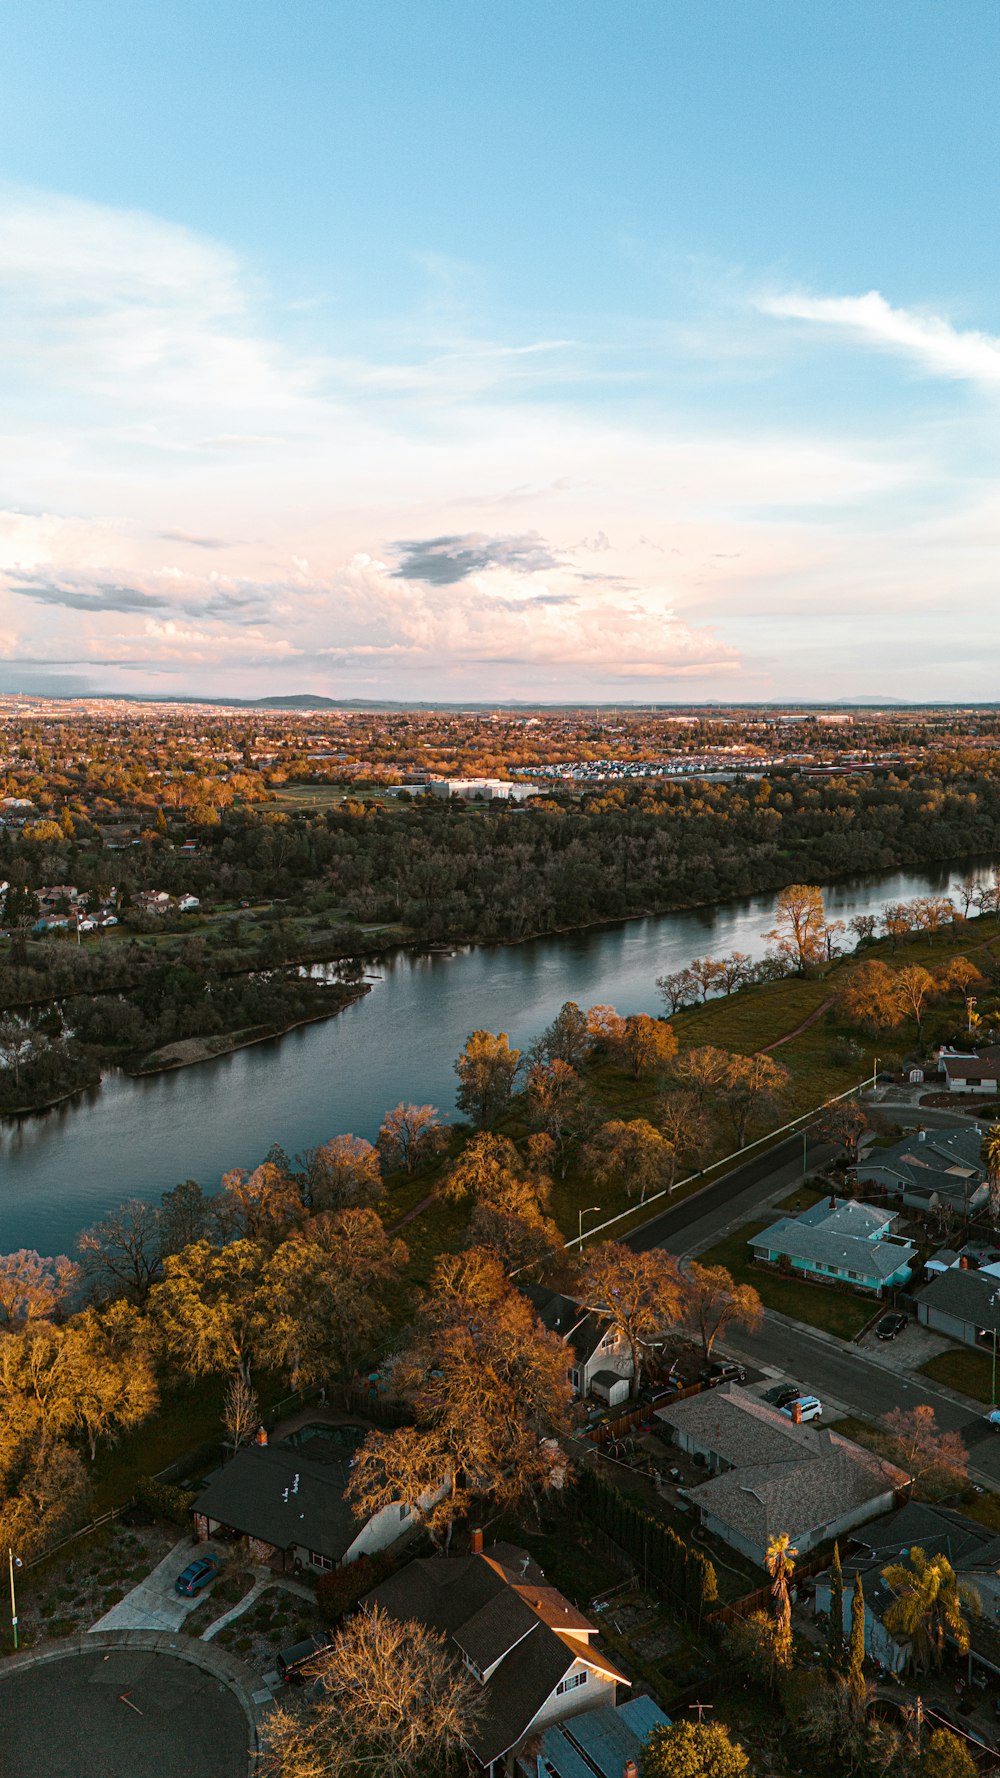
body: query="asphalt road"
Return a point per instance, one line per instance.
(733, 1198)
(123, 1713)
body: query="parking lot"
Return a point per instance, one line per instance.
(119, 1713)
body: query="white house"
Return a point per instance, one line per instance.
(530, 1650)
(598, 1360)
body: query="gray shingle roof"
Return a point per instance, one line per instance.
(840, 1236)
(248, 1494)
(966, 1295)
(740, 1428)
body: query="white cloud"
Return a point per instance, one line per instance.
(940, 349)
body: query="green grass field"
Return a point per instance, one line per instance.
(820, 1305)
(971, 1373)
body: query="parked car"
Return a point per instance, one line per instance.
(197, 1575)
(782, 1394)
(810, 1407)
(293, 1661)
(722, 1371)
(890, 1326)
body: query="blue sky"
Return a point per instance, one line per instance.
(550, 350)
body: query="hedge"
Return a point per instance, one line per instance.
(655, 1547)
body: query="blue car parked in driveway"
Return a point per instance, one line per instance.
(196, 1575)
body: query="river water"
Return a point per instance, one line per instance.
(136, 1138)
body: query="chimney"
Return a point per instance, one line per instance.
(963, 1262)
(797, 1413)
(630, 1769)
(477, 1542)
(260, 1436)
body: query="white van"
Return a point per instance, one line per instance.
(804, 1407)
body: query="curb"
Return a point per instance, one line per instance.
(233, 1674)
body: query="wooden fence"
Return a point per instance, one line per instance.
(607, 1431)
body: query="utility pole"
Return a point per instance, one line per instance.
(701, 1708)
(11, 1560)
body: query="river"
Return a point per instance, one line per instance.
(135, 1138)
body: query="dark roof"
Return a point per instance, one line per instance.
(966, 1295)
(937, 1530)
(581, 1328)
(484, 1604)
(248, 1494)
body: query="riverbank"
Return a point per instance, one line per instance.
(189, 1051)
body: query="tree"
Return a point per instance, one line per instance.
(486, 1380)
(779, 1561)
(638, 1294)
(929, 1607)
(678, 990)
(916, 986)
(897, 921)
(693, 1750)
(968, 893)
(863, 927)
(990, 1152)
(487, 1071)
(934, 1459)
(946, 1756)
(843, 1125)
(257, 1206)
(343, 1174)
(799, 924)
(556, 1103)
(240, 1412)
(114, 1383)
(568, 1038)
(410, 1138)
(836, 1633)
(123, 1254)
(33, 1288)
(832, 931)
(633, 1156)
(734, 970)
(489, 1171)
(184, 1216)
(407, 1467)
(210, 1310)
(708, 976)
(392, 1702)
(755, 1086)
(648, 1045)
(43, 1484)
(686, 1125)
(703, 1071)
(856, 1641)
(17, 1040)
(871, 997)
(326, 1289)
(713, 1302)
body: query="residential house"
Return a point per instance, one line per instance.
(842, 1240)
(294, 1506)
(769, 1474)
(533, 1653)
(972, 1549)
(598, 1357)
(604, 1743)
(964, 1304)
(929, 1170)
(971, 1074)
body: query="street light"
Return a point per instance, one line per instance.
(994, 1299)
(13, 1562)
(590, 1211)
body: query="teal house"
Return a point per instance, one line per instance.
(839, 1241)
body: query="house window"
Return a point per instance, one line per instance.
(327, 1563)
(570, 1683)
(404, 1512)
(574, 1377)
(473, 1669)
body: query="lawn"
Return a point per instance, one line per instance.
(970, 1372)
(820, 1305)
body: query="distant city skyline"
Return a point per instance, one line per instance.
(559, 353)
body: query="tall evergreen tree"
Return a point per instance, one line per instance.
(836, 1642)
(856, 1649)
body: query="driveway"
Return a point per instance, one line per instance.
(153, 1604)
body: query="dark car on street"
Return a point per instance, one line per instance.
(196, 1575)
(890, 1326)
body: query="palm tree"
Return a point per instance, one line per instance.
(990, 1153)
(780, 1565)
(929, 1606)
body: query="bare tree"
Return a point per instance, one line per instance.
(638, 1294)
(799, 924)
(33, 1288)
(933, 1458)
(123, 1254)
(678, 989)
(240, 1411)
(17, 1040)
(411, 1136)
(392, 1702)
(713, 1301)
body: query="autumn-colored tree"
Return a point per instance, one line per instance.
(693, 1750)
(255, 1206)
(326, 1289)
(33, 1288)
(408, 1467)
(929, 1608)
(798, 928)
(488, 1170)
(936, 1460)
(43, 1484)
(410, 1138)
(556, 1103)
(708, 975)
(210, 1310)
(916, 986)
(605, 1028)
(944, 1755)
(713, 1301)
(897, 921)
(343, 1174)
(640, 1295)
(647, 1045)
(958, 973)
(687, 1126)
(755, 1086)
(122, 1255)
(485, 1380)
(835, 1642)
(631, 1156)
(568, 1038)
(843, 1125)
(487, 1072)
(113, 1379)
(703, 1071)
(779, 1560)
(870, 996)
(392, 1702)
